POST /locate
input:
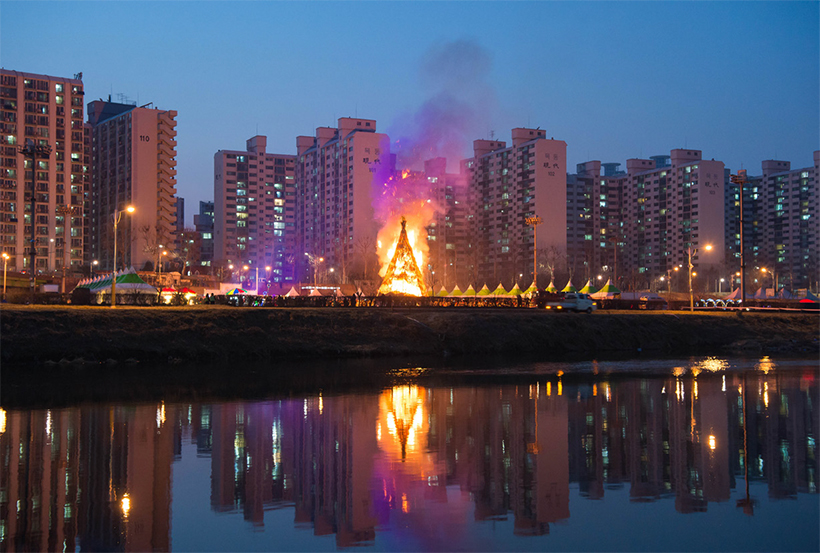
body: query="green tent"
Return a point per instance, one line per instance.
(532, 290)
(550, 288)
(516, 291)
(484, 291)
(456, 291)
(127, 281)
(442, 293)
(569, 287)
(608, 291)
(500, 290)
(470, 291)
(588, 288)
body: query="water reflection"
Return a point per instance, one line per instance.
(411, 458)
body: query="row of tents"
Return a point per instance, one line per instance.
(770, 294)
(609, 291)
(128, 281)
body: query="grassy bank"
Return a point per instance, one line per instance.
(44, 335)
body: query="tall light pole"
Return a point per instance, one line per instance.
(740, 180)
(5, 266)
(693, 251)
(314, 262)
(534, 222)
(32, 151)
(116, 216)
(67, 211)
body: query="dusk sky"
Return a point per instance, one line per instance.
(738, 80)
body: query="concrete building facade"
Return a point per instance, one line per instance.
(636, 226)
(334, 213)
(204, 225)
(43, 114)
(781, 229)
(448, 238)
(133, 163)
(254, 217)
(507, 186)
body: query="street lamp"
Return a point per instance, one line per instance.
(159, 263)
(33, 150)
(534, 222)
(5, 266)
(93, 269)
(67, 211)
(116, 217)
(314, 262)
(693, 251)
(720, 286)
(740, 180)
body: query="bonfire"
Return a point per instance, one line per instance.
(403, 275)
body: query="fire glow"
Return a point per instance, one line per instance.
(402, 275)
(404, 199)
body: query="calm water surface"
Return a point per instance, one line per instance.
(703, 454)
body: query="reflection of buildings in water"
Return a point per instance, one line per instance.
(492, 451)
(93, 478)
(39, 469)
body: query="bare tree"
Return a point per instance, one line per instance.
(153, 239)
(365, 251)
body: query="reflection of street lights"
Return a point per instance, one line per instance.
(116, 216)
(5, 266)
(692, 252)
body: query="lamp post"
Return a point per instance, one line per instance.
(267, 278)
(159, 263)
(67, 211)
(692, 252)
(740, 180)
(314, 262)
(93, 268)
(534, 222)
(32, 151)
(720, 286)
(116, 216)
(5, 266)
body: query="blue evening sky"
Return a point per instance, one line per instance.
(738, 80)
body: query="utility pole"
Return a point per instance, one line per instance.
(32, 151)
(67, 211)
(534, 222)
(740, 180)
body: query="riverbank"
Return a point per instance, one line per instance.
(61, 335)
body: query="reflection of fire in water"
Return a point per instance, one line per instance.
(403, 275)
(402, 411)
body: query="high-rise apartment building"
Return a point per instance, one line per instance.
(781, 229)
(449, 242)
(509, 186)
(204, 225)
(42, 145)
(254, 198)
(639, 225)
(133, 163)
(334, 213)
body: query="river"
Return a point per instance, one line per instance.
(702, 454)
